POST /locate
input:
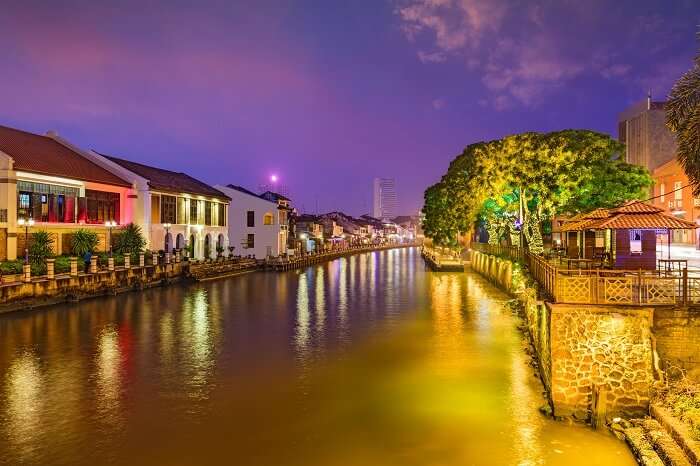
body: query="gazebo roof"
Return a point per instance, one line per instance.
(631, 215)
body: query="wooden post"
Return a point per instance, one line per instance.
(599, 406)
(685, 286)
(142, 259)
(27, 270)
(127, 261)
(93, 264)
(73, 266)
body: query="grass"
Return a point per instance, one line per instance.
(683, 399)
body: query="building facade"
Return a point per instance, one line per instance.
(174, 210)
(286, 220)
(256, 225)
(384, 198)
(648, 142)
(49, 183)
(673, 194)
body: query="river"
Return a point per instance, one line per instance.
(366, 360)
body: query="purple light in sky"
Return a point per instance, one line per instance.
(273, 178)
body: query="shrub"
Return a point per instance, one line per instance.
(130, 240)
(11, 267)
(83, 241)
(39, 250)
(62, 264)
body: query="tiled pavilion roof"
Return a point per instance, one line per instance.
(631, 215)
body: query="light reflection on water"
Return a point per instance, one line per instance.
(367, 360)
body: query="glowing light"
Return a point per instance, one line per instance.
(273, 178)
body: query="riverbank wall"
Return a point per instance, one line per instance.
(595, 361)
(27, 292)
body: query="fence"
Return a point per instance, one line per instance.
(605, 286)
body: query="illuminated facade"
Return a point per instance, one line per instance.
(673, 194)
(174, 210)
(51, 184)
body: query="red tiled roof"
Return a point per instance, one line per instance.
(166, 180)
(46, 156)
(657, 220)
(637, 207)
(631, 215)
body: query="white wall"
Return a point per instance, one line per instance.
(266, 236)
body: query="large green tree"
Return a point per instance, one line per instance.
(553, 172)
(683, 118)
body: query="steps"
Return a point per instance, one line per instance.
(654, 445)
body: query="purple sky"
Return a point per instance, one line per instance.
(329, 94)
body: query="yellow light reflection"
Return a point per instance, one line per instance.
(24, 387)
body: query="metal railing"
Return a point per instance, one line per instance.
(605, 286)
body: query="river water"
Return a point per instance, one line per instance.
(367, 360)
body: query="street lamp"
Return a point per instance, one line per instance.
(110, 224)
(167, 232)
(26, 223)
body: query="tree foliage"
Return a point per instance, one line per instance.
(40, 249)
(683, 118)
(557, 172)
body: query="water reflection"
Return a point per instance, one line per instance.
(366, 360)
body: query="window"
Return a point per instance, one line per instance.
(251, 218)
(168, 209)
(268, 219)
(251, 241)
(222, 214)
(101, 206)
(193, 212)
(662, 192)
(181, 211)
(155, 208)
(46, 202)
(678, 190)
(635, 241)
(207, 213)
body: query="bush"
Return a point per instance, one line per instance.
(130, 240)
(11, 267)
(39, 250)
(62, 264)
(83, 241)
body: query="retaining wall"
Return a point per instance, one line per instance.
(584, 351)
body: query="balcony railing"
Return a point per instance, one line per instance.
(605, 286)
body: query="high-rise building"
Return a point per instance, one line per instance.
(384, 198)
(648, 142)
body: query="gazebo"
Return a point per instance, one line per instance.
(624, 237)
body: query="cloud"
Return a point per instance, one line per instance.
(431, 57)
(525, 52)
(439, 104)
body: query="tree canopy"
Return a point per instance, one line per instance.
(563, 171)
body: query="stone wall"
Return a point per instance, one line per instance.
(605, 349)
(677, 333)
(43, 291)
(587, 350)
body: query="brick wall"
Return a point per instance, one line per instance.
(677, 333)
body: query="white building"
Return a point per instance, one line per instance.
(384, 198)
(257, 226)
(174, 210)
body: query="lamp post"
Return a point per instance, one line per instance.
(167, 232)
(26, 223)
(110, 224)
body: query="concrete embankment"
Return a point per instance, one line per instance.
(32, 292)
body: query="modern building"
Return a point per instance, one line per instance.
(256, 225)
(174, 210)
(648, 142)
(384, 198)
(48, 182)
(673, 194)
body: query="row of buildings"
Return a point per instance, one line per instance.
(48, 183)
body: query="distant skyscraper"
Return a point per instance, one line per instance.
(384, 198)
(648, 142)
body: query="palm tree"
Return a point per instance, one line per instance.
(683, 118)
